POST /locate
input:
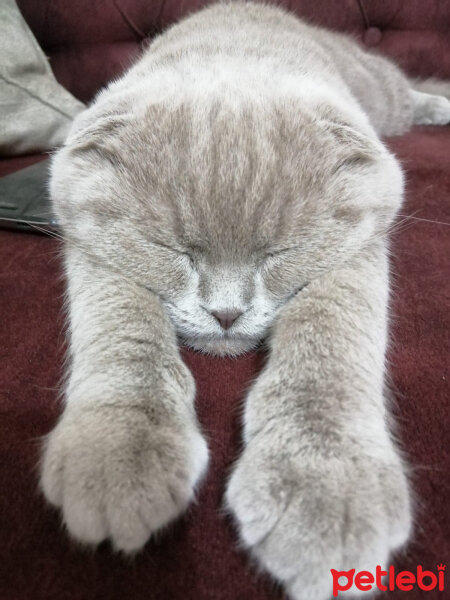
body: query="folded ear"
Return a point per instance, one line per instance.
(99, 136)
(353, 148)
(86, 164)
(362, 169)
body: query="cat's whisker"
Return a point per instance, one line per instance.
(427, 220)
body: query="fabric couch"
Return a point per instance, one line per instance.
(88, 42)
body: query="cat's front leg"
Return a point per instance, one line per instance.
(320, 485)
(127, 452)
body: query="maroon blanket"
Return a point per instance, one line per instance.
(197, 557)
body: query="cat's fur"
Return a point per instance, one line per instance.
(236, 167)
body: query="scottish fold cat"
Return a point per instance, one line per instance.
(231, 187)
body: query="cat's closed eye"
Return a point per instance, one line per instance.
(281, 256)
(175, 254)
(283, 271)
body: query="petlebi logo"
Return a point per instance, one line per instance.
(365, 581)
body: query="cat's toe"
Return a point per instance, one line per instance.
(84, 520)
(256, 513)
(128, 531)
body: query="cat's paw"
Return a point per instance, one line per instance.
(118, 473)
(434, 111)
(302, 515)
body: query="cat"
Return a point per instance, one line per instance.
(230, 188)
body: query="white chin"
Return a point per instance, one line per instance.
(221, 346)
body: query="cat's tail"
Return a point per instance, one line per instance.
(437, 87)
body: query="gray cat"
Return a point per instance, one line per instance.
(232, 187)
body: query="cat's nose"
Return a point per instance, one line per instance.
(226, 318)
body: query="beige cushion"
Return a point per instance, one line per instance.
(35, 111)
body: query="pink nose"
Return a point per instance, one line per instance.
(226, 318)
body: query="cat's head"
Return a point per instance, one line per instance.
(225, 212)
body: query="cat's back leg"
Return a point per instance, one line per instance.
(380, 87)
(392, 101)
(405, 102)
(431, 102)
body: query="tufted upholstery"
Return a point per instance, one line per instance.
(88, 42)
